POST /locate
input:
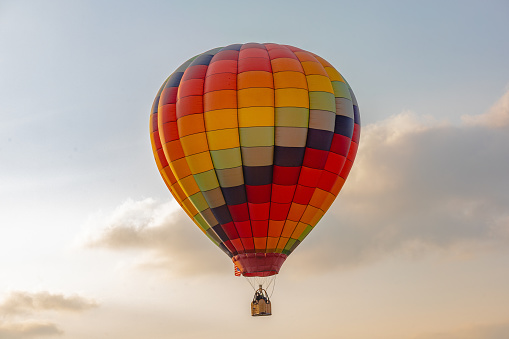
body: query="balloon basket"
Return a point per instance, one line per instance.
(261, 306)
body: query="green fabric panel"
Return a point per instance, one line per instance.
(199, 201)
(291, 116)
(213, 238)
(289, 244)
(201, 222)
(206, 180)
(209, 217)
(322, 101)
(344, 107)
(305, 233)
(226, 158)
(256, 136)
(341, 90)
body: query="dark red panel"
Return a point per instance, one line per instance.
(239, 212)
(309, 176)
(281, 53)
(168, 96)
(303, 194)
(244, 228)
(253, 53)
(157, 140)
(170, 131)
(258, 194)
(153, 122)
(279, 211)
(315, 158)
(248, 244)
(190, 87)
(189, 105)
(162, 157)
(195, 72)
(168, 113)
(286, 175)
(230, 246)
(252, 45)
(356, 133)
(260, 228)
(230, 230)
(225, 55)
(340, 144)
(282, 194)
(259, 211)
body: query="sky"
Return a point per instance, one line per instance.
(92, 245)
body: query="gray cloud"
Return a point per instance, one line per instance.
(419, 185)
(169, 238)
(25, 330)
(20, 302)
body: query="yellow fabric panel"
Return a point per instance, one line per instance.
(298, 230)
(304, 56)
(313, 67)
(256, 116)
(281, 244)
(316, 218)
(337, 186)
(275, 228)
(291, 97)
(260, 243)
(223, 139)
(194, 143)
(189, 185)
(290, 79)
(285, 64)
(309, 213)
(319, 83)
(180, 168)
(254, 79)
(200, 162)
(328, 202)
(255, 97)
(189, 205)
(190, 124)
(220, 119)
(226, 98)
(289, 228)
(334, 75)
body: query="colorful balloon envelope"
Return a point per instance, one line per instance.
(255, 141)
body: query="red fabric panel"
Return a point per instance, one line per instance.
(340, 144)
(222, 66)
(258, 194)
(248, 244)
(170, 131)
(220, 81)
(252, 53)
(309, 176)
(157, 140)
(281, 53)
(230, 246)
(190, 87)
(279, 211)
(254, 64)
(225, 55)
(244, 228)
(303, 194)
(230, 230)
(356, 133)
(282, 194)
(189, 105)
(260, 228)
(285, 175)
(252, 45)
(194, 72)
(168, 113)
(162, 157)
(259, 211)
(315, 158)
(335, 162)
(259, 264)
(327, 180)
(168, 96)
(239, 212)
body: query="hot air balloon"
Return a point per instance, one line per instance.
(255, 141)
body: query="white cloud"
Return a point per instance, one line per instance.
(170, 240)
(496, 117)
(21, 302)
(26, 330)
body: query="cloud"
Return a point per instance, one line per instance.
(21, 302)
(169, 239)
(419, 185)
(25, 330)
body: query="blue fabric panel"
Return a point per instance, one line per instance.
(288, 156)
(234, 195)
(344, 126)
(257, 175)
(319, 139)
(222, 214)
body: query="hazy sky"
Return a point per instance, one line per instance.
(92, 245)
